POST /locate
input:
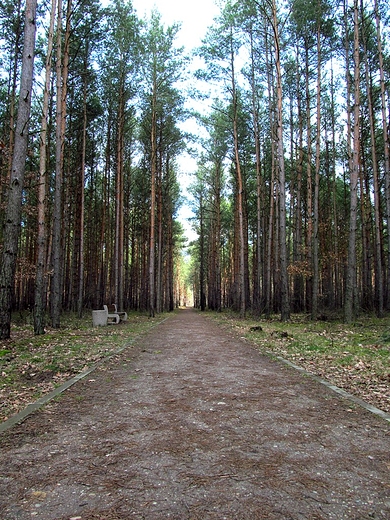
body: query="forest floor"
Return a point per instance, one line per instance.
(191, 421)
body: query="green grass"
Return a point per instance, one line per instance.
(355, 357)
(33, 365)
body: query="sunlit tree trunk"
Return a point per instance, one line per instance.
(240, 189)
(40, 278)
(271, 212)
(385, 144)
(350, 291)
(62, 65)
(298, 289)
(202, 278)
(377, 217)
(259, 186)
(284, 292)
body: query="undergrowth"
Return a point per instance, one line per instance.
(355, 357)
(31, 366)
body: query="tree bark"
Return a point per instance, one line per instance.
(40, 278)
(350, 291)
(259, 188)
(153, 174)
(298, 290)
(12, 86)
(82, 200)
(309, 188)
(386, 146)
(14, 203)
(62, 63)
(119, 229)
(379, 303)
(268, 268)
(316, 267)
(284, 293)
(240, 190)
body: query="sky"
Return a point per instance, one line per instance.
(195, 17)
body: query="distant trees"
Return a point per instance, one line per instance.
(292, 191)
(84, 212)
(162, 103)
(314, 156)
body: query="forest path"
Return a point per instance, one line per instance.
(193, 423)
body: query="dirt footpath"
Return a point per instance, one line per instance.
(193, 423)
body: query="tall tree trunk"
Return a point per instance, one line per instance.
(365, 275)
(271, 212)
(314, 311)
(119, 230)
(350, 291)
(62, 65)
(337, 288)
(159, 273)
(153, 175)
(218, 236)
(82, 200)
(240, 189)
(386, 146)
(284, 293)
(259, 186)
(379, 299)
(202, 288)
(14, 203)
(298, 297)
(309, 188)
(40, 278)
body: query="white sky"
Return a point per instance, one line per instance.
(195, 17)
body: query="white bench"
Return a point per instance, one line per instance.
(112, 317)
(122, 314)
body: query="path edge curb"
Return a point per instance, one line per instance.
(356, 400)
(33, 407)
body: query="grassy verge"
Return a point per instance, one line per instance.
(354, 357)
(31, 366)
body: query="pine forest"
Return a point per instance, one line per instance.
(289, 106)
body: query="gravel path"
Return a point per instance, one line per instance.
(193, 423)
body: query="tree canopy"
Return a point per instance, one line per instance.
(291, 195)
